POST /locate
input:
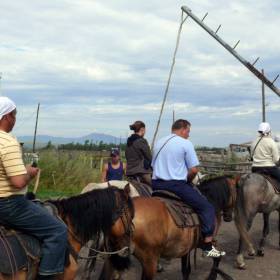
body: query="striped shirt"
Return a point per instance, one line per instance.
(11, 164)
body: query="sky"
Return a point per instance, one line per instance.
(97, 66)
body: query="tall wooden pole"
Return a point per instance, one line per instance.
(263, 99)
(35, 132)
(247, 64)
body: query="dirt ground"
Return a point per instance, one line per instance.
(265, 268)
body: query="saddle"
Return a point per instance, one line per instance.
(144, 190)
(182, 214)
(20, 251)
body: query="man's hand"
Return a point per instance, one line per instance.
(192, 173)
(32, 171)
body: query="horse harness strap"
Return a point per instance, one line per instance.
(275, 184)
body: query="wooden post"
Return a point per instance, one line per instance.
(101, 164)
(35, 132)
(263, 100)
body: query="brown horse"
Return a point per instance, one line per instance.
(88, 216)
(156, 235)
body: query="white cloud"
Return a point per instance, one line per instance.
(111, 60)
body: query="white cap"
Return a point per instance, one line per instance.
(6, 106)
(264, 128)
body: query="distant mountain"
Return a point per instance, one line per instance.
(41, 140)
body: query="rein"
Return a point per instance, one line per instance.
(77, 256)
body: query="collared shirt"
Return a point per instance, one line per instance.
(11, 164)
(174, 159)
(266, 153)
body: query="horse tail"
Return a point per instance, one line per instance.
(240, 217)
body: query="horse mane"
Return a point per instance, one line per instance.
(212, 182)
(217, 191)
(93, 212)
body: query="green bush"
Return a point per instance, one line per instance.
(65, 172)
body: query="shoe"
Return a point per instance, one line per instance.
(213, 253)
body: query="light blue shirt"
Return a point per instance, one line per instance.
(174, 159)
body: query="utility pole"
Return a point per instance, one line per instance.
(263, 99)
(173, 117)
(35, 132)
(0, 83)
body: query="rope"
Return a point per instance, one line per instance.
(170, 75)
(126, 248)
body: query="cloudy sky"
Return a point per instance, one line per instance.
(97, 66)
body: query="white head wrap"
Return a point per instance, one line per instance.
(6, 106)
(264, 128)
(277, 138)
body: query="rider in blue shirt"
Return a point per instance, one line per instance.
(174, 165)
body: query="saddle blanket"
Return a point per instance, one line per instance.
(17, 251)
(20, 251)
(182, 214)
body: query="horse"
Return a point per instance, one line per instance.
(255, 195)
(156, 235)
(88, 216)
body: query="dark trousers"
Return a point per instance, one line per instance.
(193, 198)
(273, 171)
(21, 214)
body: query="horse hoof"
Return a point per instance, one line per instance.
(241, 266)
(160, 268)
(260, 253)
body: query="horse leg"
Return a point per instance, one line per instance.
(279, 225)
(149, 266)
(217, 227)
(215, 270)
(186, 266)
(240, 262)
(265, 233)
(109, 272)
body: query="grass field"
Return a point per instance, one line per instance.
(66, 173)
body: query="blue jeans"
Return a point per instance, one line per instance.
(21, 214)
(194, 199)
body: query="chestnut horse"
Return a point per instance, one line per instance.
(87, 216)
(156, 235)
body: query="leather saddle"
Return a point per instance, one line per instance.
(18, 250)
(182, 214)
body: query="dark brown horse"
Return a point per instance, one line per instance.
(87, 216)
(156, 234)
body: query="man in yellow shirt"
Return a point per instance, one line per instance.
(15, 210)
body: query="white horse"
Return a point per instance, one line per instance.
(115, 183)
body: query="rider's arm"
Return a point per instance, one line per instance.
(145, 149)
(104, 173)
(275, 153)
(192, 173)
(21, 181)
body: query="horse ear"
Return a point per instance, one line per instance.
(127, 189)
